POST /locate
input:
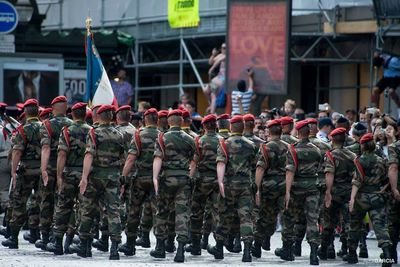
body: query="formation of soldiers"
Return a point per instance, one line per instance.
(110, 176)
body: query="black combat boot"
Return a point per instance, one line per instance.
(323, 251)
(297, 248)
(331, 254)
(246, 252)
(12, 241)
(180, 252)
(32, 236)
(237, 245)
(204, 241)
(278, 251)
(114, 255)
(266, 244)
(67, 243)
(194, 248)
(76, 239)
(170, 244)
(217, 250)
(83, 249)
(102, 243)
(256, 249)
(229, 243)
(363, 253)
(287, 251)
(343, 249)
(159, 250)
(42, 243)
(5, 231)
(351, 257)
(314, 254)
(387, 257)
(129, 247)
(144, 240)
(56, 247)
(393, 250)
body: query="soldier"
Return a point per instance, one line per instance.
(46, 114)
(339, 170)
(287, 128)
(223, 125)
(367, 195)
(50, 134)
(344, 123)
(141, 153)
(163, 121)
(205, 192)
(25, 171)
(124, 125)
(105, 149)
(71, 151)
(174, 152)
(235, 158)
(394, 204)
(302, 194)
(270, 181)
(187, 121)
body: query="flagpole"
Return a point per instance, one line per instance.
(88, 25)
(88, 46)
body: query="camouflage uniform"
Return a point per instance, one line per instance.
(304, 201)
(272, 158)
(288, 138)
(73, 142)
(27, 140)
(368, 199)
(50, 134)
(107, 146)
(176, 150)
(239, 162)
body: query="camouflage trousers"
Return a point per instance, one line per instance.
(394, 220)
(141, 190)
(101, 194)
(205, 193)
(27, 180)
(208, 219)
(339, 209)
(238, 200)
(64, 219)
(375, 205)
(302, 204)
(174, 192)
(146, 217)
(272, 202)
(48, 200)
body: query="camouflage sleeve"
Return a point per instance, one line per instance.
(62, 143)
(260, 160)
(44, 135)
(328, 165)
(290, 166)
(133, 148)
(90, 147)
(193, 151)
(221, 157)
(18, 142)
(393, 157)
(157, 150)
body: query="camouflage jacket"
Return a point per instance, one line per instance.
(288, 138)
(177, 149)
(142, 146)
(189, 132)
(340, 162)
(206, 154)
(394, 157)
(27, 139)
(356, 149)
(127, 130)
(323, 147)
(371, 173)
(73, 142)
(107, 146)
(224, 133)
(50, 134)
(304, 158)
(239, 155)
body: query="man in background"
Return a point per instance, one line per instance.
(122, 89)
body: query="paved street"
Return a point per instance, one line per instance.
(28, 255)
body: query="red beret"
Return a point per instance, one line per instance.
(338, 131)
(59, 99)
(185, 113)
(151, 111)
(79, 105)
(286, 120)
(22, 116)
(126, 107)
(175, 112)
(3, 105)
(20, 105)
(366, 138)
(89, 114)
(223, 117)
(209, 118)
(301, 124)
(273, 123)
(163, 113)
(237, 118)
(31, 102)
(249, 117)
(96, 106)
(105, 108)
(45, 112)
(312, 121)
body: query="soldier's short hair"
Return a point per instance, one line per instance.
(32, 111)
(210, 126)
(339, 139)
(106, 116)
(174, 120)
(79, 113)
(275, 130)
(237, 127)
(124, 115)
(187, 119)
(368, 146)
(223, 124)
(249, 124)
(305, 131)
(152, 118)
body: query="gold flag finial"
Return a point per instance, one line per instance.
(88, 24)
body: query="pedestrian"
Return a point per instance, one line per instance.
(122, 88)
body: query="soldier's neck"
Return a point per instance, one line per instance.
(274, 137)
(60, 115)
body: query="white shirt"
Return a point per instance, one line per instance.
(246, 101)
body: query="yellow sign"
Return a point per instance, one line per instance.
(183, 13)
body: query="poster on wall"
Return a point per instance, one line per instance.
(258, 39)
(74, 85)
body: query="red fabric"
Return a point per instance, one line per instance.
(151, 111)
(208, 118)
(31, 102)
(79, 105)
(338, 131)
(59, 99)
(237, 118)
(175, 112)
